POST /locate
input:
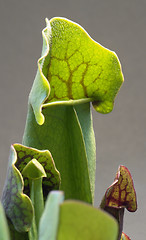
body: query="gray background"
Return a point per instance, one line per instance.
(120, 135)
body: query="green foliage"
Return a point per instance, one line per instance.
(73, 71)
(4, 230)
(81, 221)
(17, 205)
(75, 220)
(63, 134)
(15, 198)
(50, 218)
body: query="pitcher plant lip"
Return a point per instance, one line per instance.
(76, 91)
(124, 237)
(122, 193)
(40, 154)
(16, 193)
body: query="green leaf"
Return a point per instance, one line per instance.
(17, 205)
(75, 220)
(81, 221)
(4, 230)
(63, 135)
(50, 218)
(15, 235)
(83, 112)
(15, 198)
(73, 71)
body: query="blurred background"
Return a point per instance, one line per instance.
(120, 135)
